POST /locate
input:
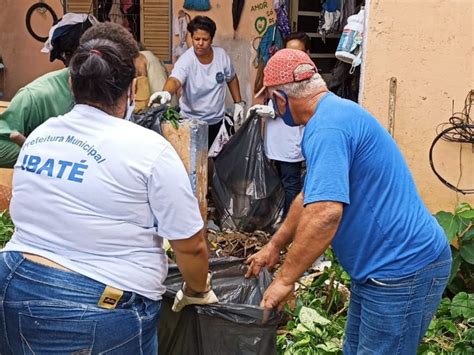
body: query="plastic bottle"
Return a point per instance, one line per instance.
(351, 38)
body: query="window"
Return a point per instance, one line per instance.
(148, 20)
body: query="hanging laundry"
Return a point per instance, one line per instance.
(197, 5)
(283, 21)
(115, 14)
(66, 33)
(348, 8)
(125, 5)
(68, 19)
(181, 30)
(237, 7)
(270, 43)
(329, 17)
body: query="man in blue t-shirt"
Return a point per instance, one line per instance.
(360, 198)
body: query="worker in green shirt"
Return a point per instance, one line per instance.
(48, 96)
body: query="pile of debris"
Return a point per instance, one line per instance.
(237, 244)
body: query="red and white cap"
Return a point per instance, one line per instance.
(281, 68)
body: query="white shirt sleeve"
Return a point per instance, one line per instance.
(171, 198)
(181, 69)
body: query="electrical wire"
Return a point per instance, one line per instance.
(458, 129)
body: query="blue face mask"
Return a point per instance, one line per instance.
(285, 116)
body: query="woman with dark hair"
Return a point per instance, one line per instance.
(93, 197)
(299, 41)
(202, 72)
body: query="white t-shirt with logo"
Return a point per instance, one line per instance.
(97, 194)
(204, 85)
(282, 142)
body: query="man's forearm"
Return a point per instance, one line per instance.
(234, 88)
(284, 235)
(316, 229)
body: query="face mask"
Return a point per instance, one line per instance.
(286, 116)
(130, 108)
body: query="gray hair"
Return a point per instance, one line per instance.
(303, 88)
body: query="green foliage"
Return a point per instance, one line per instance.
(316, 324)
(172, 116)
(6, 228)
(459, 229)
(451, 330)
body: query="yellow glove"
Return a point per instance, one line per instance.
(185, 297)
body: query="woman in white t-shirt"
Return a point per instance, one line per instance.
(93, 197)
(202, 73)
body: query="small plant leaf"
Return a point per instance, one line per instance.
(467, 252)
(449, 223)
(309, 316)
(463, 305)
(467, 214)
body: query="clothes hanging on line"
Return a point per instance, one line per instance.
(329, 18)
(283, 20)
(181, 30)
(197, 5)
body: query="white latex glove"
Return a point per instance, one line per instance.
(262, 110)
(163, 97)
(239, 109)
(182, 299)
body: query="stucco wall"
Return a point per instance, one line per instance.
(428, 46)
(20, 51)
(238, 44)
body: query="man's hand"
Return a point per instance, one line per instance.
(239, 109)
(162, 97)
(269, 256)
(277, 294)
(17, 138)
(262, 110)
(186, 296)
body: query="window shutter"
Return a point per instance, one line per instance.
(80, 6)
(156, 27)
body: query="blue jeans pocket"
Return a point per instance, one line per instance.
(40, 335)
(393, 282)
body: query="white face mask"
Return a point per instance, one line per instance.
(130, 108)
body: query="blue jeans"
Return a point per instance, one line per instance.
(290, 176)
(390, 316)
(44, 310)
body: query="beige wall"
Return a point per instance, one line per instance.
(20, 51)
(239, 44)
(428, 45)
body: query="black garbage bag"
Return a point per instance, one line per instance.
(246, 188)
(235, 325)
(150, 118)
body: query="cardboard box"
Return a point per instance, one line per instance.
(190, 142)
(6, 176)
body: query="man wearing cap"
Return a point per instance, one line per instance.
(360, 198)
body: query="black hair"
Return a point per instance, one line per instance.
(203, 23)
(101, 72)
(113, 32)
(300, 36)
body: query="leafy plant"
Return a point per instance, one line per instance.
(172, 116)
(451, 330)
(316, 324)
(6, 228)
(459, 229)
